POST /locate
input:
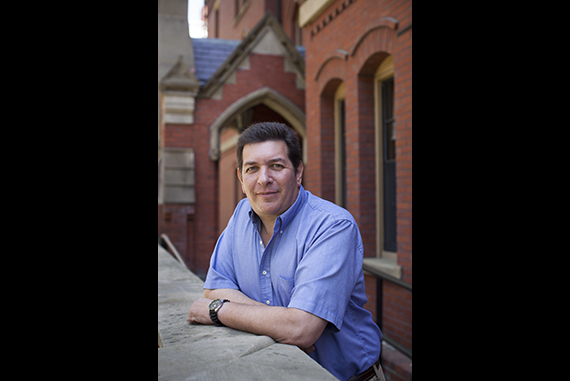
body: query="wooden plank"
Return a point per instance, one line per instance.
(173, 250)
(160, 344)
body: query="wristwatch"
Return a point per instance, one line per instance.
(215, 307)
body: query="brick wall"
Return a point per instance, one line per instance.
(233, 27)
(193, 230)
(404, 112)
(337, 53)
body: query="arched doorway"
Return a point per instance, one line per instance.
(264, 105)
(268, 97)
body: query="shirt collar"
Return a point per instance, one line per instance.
(285, 219)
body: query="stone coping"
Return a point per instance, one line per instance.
(194, 352)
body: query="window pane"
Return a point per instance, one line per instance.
(389, 127)
(389, 120)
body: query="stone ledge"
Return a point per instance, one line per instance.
(385, 265)
(194, 352)
(396, 365)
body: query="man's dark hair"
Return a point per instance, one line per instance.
(265, 132)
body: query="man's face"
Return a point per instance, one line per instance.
(268, 178)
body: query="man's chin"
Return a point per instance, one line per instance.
(268, 209)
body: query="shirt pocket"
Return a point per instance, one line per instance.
(285, 290)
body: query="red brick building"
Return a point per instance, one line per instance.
(205, 99)
(359, 117)
(347, 92)
(234, 19)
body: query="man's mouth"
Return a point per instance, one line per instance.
(267, 194)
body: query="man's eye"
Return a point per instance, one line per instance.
(278, 166)
(251, 170)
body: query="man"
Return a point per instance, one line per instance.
(291, 263)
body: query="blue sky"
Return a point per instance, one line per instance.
(194, 15)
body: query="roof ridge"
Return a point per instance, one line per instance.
(245, 47)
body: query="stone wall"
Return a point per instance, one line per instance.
(195, 352)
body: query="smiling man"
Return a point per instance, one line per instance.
(289, 264)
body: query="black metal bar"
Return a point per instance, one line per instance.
(380, 303)
(406, 29)
(380, 278)
(398, 346)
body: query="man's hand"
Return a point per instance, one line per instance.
(200, 312)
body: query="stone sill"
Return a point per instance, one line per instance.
(387, 266)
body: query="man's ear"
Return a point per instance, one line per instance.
(241, 181)
(300, 172)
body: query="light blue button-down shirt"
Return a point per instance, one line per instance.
(312, 263)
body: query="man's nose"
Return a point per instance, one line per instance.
(264, 178)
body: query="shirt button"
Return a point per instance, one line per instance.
(268, 303)
(265, 273)
(261, 243)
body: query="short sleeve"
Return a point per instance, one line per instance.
(328, 272)
(222, 272)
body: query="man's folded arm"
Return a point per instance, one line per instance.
(234, 296)
(285, 325)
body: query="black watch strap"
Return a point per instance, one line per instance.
(214, 313)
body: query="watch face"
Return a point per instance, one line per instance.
(215, 304)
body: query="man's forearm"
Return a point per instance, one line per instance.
(284, 325)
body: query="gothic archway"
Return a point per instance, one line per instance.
(268, 97)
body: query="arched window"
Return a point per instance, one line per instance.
(387, 233)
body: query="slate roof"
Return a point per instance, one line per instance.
(303, 51)
(211, 53)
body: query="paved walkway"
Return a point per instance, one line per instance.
(193, 352)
